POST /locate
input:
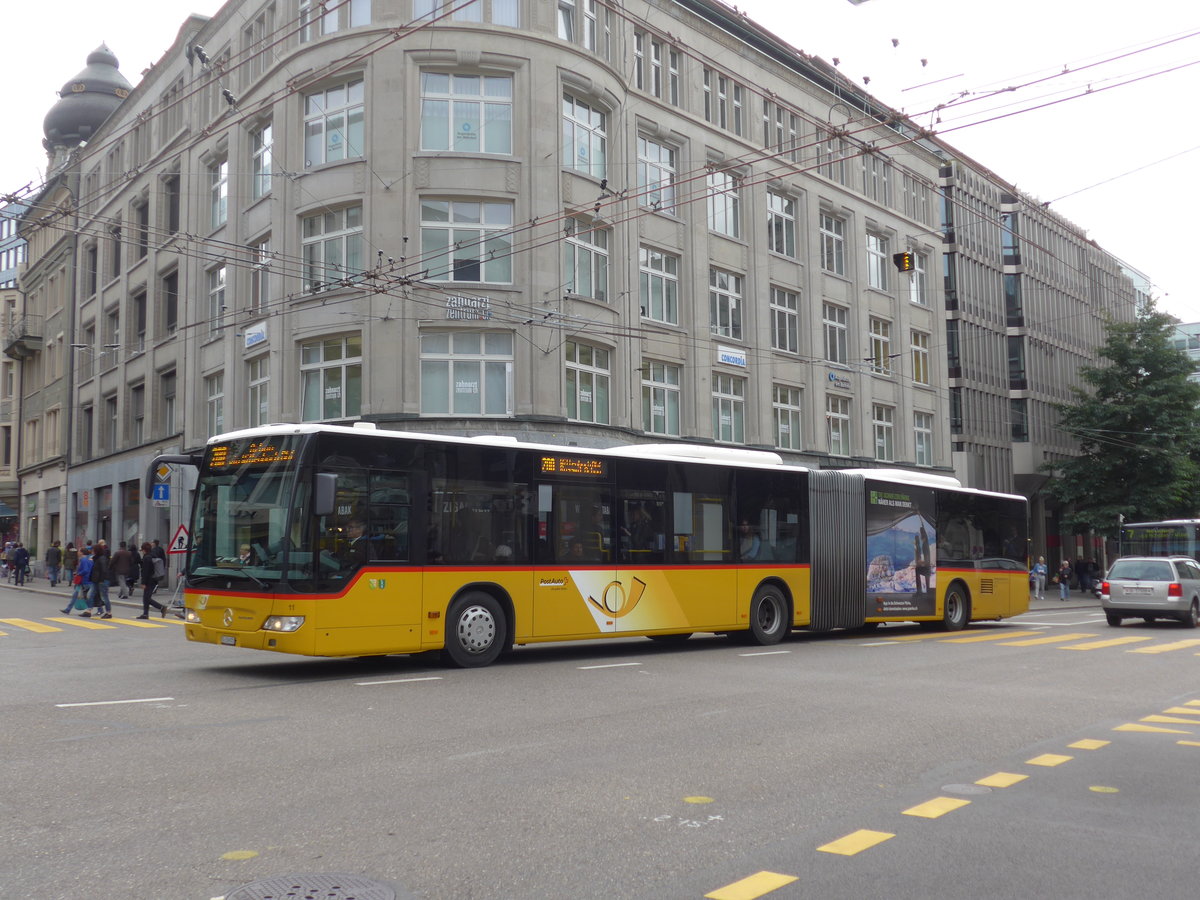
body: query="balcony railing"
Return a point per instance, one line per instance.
(24, 337)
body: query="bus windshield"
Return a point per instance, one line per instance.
(240, 529)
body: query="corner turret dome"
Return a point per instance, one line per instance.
(86, 101)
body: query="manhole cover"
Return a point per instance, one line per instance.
(966, 789)
(314, 887)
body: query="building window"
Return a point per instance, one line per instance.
(260, 162)
(587, 383)
(837, 421)
(781, 224)
(658, 285)
(919, 345)
(584, 137)
(141, 226)
(833, 244)
(656, 67)
(881, 346)
(585, 260)
(918, 280)
(836, 333)
(135, 322)
(884, 426)
(333, 247)
(318, 17)
(169, 302)
(216, 299)
(166, 388)
(729, 408)
(114, 257)
(725, 303)
(956, 412)
(724, 204)
(171, 202)
(87, 431)
(656, 175)
(877, 261)
(877, 179)
(214, 391)
(258, 381)
(334, 123)
(260, 275)
(923, 439)
(466, 373)
(137, 415)
(91, 270)
(785, 320)
(331, 378)
(785, 409)
(109, 424)
(724, 102)
(585, 22)
(497, 12)
(466, 113)
(1018, 410)
(660, 398)
(467, 241)
(781, 131)
(218, 193)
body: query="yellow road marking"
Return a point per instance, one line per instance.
(1151, 729)
(1001, 780)
(1166, 648)
(1054, 638)
(1111, 642)
(136, 623)
(1169, 720)
(1182, 711)
(1189, 743)
(936, 808)
(1049, 759)
(1192, 703)
(756, 885)
(1089, 744)
(30, 625)
(856, 842)
(988, 637)
(81, 623)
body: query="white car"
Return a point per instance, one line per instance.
(1152, 587)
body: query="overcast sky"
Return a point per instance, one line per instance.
(1119, 162)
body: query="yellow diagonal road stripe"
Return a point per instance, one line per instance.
(1151, 729)
(936, 808)
(1052, 639)
(30, 625)
(1001, 780)
(139, 623)
(1166, 648)
(1169, 720)
(976, 638)
(1089, 744)
(752, 887)
(856, 842)
(1188, 743)
(923, 636)
(1049, 759)
(1181, 711)
(81, 623)
(1192, 703)
(1111, 642)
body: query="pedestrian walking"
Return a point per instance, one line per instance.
(1064, 580)
(20, 563)
(81, 581)
(53, 560)
(122, 568)
(70, 559)
(135, 572)
(149, 585)
(101, 566)
(1039, 578)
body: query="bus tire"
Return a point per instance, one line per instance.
(769, 615)
(475, 631)
(956, 611)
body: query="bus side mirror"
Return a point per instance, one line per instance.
(325, 494)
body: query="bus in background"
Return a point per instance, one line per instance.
(351, 541)
(1171, 537)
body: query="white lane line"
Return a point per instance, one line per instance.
(399, 680)
(609, 666)
(114, 702)
(766, 653)
(881, 644)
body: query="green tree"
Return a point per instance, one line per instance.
(1138, 429)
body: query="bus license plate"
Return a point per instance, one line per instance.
(229, 640)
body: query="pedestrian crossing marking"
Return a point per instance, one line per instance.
(1052, 639)
(1192, 703)
(977, 638)
(1169, 720)
(1049, 759)
(752, 887)
(1111, 642)
(1189, 743)
(82, 623)
(856, 842)
(1166, 648)
(30, 625)
(1089, 744)
(936, 808)
(1181, 711)
(139, 624)
(1001, 780)
(923, 636)
(1149, 729)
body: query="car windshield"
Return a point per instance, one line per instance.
(1141, 570)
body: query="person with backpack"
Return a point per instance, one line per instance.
(150, 583)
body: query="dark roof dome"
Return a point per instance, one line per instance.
(86, 100)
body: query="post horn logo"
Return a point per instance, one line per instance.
(615, 602)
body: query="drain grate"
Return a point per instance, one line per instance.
(314, 887)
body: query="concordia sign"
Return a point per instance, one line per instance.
(459, 307)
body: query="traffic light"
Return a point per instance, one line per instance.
(905, 262)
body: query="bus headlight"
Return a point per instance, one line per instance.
(192, 616)
(283, 623)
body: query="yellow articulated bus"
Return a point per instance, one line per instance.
(351, 541)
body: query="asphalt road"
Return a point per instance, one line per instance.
(137, 765)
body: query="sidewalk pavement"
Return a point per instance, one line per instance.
(63, 590)
(1077, 600)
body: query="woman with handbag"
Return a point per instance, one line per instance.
(149, 584)
(81, 579)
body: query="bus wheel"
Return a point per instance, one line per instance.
(768, 616)
(475, 631)
(1191, 618)
(957, 610)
